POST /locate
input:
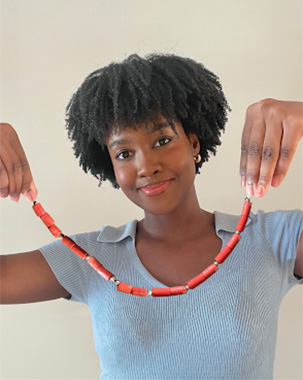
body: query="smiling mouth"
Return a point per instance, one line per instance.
(156, 189)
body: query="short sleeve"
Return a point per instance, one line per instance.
(72, 272)
(282, 229)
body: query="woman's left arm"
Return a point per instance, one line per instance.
(270, 137)
(298, 270)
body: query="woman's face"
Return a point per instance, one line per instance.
(155, 168)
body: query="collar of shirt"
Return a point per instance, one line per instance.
(110, 234)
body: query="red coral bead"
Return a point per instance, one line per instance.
(68, 241)
(125, 288)
(55, 230)
(209, 271)
(38, 209)
(47, 219)
(106, 274)
(246, 208)
(139, 291)
(79, 251)
(194, 282)
(176, 290)
(223, 255)
(242, 222)
(160, 292)
(94, 263)
(233, 241)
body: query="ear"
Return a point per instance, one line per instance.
(194, 142)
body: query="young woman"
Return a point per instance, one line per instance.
(147, 125)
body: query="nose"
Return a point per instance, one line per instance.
(148, 164)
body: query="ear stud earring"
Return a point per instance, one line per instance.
(197, 159)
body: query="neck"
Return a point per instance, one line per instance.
(187, 220)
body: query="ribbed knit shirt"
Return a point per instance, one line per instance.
(225, 328)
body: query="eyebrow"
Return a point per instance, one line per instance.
(118, 141)
(156, 127)
(159, 126)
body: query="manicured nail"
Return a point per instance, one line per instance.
(29, 195)
(260, 190)
(249, 189)
(3, 193)
(15, 199)
(243, 181)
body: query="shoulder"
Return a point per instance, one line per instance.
(280, 229)
(280, 221)
(280, 218)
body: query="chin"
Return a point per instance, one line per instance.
(158, 209)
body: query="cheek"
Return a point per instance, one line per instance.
(124, 177)
(187, 165)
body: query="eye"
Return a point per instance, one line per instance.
(123, 155)
(162, 141)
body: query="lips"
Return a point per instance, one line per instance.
(156, 189)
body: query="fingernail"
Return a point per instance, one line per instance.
(249, 189)
(15, 199)
(3, 194)
(29, 195)
(243, 181)
(260, 190)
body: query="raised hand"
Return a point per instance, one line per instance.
(15, 174)
(270, 137)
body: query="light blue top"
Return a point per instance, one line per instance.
(224, 329)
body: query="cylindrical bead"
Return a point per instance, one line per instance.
(176, 290)
(94, 263)
(196, 281)
(106, 274)
(68, 241)
(125, 288)
(246, 208)
(160, 292)
(38, 209)
(79, 251)
(55, 230)
(241, 223)
(47, 219)
(223, 254)
(209, 271)
(233, 241)
(139, 291)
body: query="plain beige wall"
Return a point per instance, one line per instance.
(47, 48)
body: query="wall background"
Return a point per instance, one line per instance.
(47, 48)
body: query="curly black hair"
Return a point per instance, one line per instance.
(138, 90)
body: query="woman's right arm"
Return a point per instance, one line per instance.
(24, 277)
(27, 277)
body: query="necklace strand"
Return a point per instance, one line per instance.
(155, 292)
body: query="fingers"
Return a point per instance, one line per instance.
(15, 174)
(289, 143)
(268, 160)
(11, 180)
(4, 189)
(16, 177)
(261, 140)
(251, 148)
(260, 154)
(23, 176)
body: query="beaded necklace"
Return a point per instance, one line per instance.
(142, 292)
